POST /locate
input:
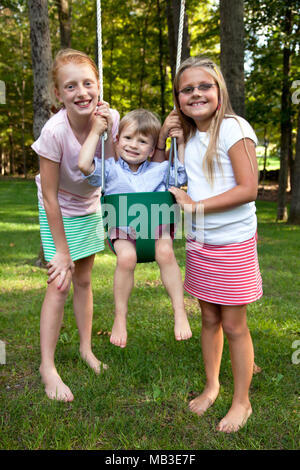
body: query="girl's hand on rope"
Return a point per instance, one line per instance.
(177, 132)
(183, 199)
(103, 121)
(172, 121)
(60, 266)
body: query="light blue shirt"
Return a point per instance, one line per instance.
(149, 177)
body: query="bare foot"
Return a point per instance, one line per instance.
(118, 335)
(93, 362)
(182, 328)
(204, 401)
(235, 419)
(54, 386)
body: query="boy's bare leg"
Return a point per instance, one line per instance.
(50, 324)
(123, 284)
(83, 309)
(172, 280)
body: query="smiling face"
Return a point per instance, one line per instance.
(133, 146)
(78, 89)
(200, 105)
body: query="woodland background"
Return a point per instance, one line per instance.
(141, 402)
(256, 43)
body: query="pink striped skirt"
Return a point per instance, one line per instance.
(223, 274)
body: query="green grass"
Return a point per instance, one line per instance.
(141, 402)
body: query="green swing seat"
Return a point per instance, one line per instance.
(146, 211)
(145, 244)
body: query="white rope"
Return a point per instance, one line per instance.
(178, 62)
(100, 69)
(180, 34)
(99, 40)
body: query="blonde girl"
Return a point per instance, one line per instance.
(69, 210)
(223, 273)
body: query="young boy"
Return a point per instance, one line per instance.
(136, 143)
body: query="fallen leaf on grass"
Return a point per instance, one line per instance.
(103, 333)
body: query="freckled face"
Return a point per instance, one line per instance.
(77, 88)
(199, 105)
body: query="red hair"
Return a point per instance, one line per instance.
(66, 56)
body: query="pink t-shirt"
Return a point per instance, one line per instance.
(58, 143)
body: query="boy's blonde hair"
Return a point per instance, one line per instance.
(224, 108)
(147, 123)
(67, 56)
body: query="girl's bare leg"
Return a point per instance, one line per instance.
(234, 321)
(123, 284)
(172, 280)
(83, 309)
(50, 324)
(212, 348)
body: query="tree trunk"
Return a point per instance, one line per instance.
(173, 16)
(232, 51)
(41, 62)
(64, 14)
(285, 124)
(11, 154)
(41, 65)
(143, 33)
(294, 217)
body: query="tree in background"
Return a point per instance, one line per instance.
(294, 217)
(173, 15)
(273, 39)
(65, 14)
(41, 62)
(41, 65)
(232, 51)
(15, 72)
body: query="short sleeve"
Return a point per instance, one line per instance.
(95, 178)
(47, 146)
(115, 127)
(235, 129)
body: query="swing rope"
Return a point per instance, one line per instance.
(100, 68)
(145, 245)
(173, 149)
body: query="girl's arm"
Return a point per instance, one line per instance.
(61, 263)
(246, 182)
(171, 121)
(88, 149)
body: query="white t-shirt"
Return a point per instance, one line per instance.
(58, 143)
(235, 225)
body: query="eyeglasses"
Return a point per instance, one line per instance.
(202, 87)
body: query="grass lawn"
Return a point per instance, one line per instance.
(141, 401)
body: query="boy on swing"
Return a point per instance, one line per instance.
(140, 137)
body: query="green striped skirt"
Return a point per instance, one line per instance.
(85, 235)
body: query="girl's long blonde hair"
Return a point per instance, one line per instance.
(223, 110)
